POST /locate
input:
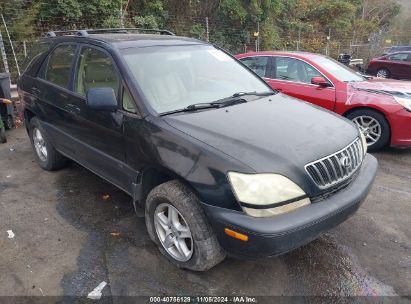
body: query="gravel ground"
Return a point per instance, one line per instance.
(72, 230)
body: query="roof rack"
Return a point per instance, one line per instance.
(86, 32)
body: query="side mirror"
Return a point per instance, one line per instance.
(101, 99)
(320, 81)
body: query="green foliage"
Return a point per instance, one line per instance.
(232, 23)
(148, 21)
(232, 10)
(336, 14)
(269, 36)
(197, 31)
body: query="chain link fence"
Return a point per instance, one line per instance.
(244, 38)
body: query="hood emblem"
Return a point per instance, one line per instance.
(345, 161)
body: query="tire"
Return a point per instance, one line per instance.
(368, 116)
(3, 138)
(52, 160)
(205, 249)
(383, 73)
(8, 123)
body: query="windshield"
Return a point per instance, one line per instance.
(338, 70)
(174, 77)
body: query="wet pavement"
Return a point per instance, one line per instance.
(72, 230)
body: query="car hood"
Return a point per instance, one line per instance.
(273, 134)
(384, 86)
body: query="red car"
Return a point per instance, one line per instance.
(395, 65)
(380, 107)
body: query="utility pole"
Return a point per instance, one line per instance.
(352, 43)
(258, 36)
(121, 14)
(207, 30)
(327, 49)
(299, 38)
(11, 45)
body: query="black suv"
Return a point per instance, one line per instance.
(220, 162)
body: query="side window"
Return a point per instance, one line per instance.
(258, 64)
(95, 70)
(34, 54)
(59, 65)
(294, 70)
(399, 57)
(128, 104)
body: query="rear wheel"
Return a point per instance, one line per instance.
(374, 127)
(3, 138)
(177, 224)
(383, 73)
(45, 154)
(9, 122)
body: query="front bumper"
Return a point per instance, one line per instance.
(400, 123)
(282, 233)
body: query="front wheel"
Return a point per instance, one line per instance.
(374, 127)
(177, 224)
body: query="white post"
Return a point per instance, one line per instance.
(207, 30)
(4, 55)
(25, 48)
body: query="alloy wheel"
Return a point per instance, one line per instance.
(173, 232)
(370, 127)
(383, 73)
(39, 144)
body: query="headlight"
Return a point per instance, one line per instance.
(405, 102)
(363, 142)
(266, 194)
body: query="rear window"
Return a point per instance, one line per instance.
(60, 65)
(399, 57)
(400, 49)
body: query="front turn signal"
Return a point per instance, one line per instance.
(236, 235)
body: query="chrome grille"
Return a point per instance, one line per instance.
(336, 167)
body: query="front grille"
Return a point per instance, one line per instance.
(336, 167)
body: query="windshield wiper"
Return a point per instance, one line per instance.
(193, 107)
(236, 98)
(224, 102)
(254, 93)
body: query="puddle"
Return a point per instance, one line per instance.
(132, 265)
(81, 203)
(328, 268)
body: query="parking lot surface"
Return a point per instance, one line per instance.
(72, 231)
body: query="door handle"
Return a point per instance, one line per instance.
(63, 95)
(73, 108)
(35, 90)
